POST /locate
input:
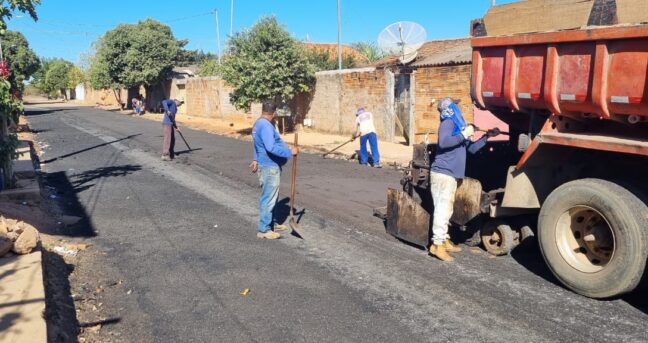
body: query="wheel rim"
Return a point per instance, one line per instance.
(585, 239)
(493, 241)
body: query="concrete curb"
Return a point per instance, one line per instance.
(23, 299)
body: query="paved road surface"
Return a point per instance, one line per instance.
(182, 235)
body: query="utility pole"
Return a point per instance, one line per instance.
(339, 36)
(231, 18)
(492, 2)
(218, 45)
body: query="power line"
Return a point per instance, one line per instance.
(189, 17)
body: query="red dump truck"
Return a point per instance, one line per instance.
(581, 99)
(575, 171)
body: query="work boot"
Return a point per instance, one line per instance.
(440, 252)
(449, 247)
(377, 165)
(280, 227)
(268, 235)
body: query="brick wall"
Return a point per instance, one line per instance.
(338, 94)
(437, 83)
(209, 97)
(203, 97)
(103, 97)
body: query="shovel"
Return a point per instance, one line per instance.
(292, 223)
(175, 126)
(337, 147)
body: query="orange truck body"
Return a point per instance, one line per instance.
(585, 75)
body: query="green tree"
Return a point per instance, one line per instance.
(191, 57)
(23, 62)
(209, 67)
(134, 55)
(369, 50)
(266, 63)
(323, 60)
(38, 80)
(7, 8)
(57, 76)
(75, 76)
(10, 98)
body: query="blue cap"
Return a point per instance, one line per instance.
(360, 111)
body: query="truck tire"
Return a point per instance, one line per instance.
(593, 235)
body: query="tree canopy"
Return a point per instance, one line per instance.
(75, 76)
(7, 8)
(57, 75)
(22, 61)
(324, 60)
(369, 50)
(134, 54)
(188, 57)
(209, 67)
(266, 63)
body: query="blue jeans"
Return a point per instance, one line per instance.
(269, 178)
(373, 142)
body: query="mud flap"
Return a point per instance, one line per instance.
(407, 219)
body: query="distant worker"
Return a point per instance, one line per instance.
(365, 129)
(447, 170)
(270, 153)
(168, 125)
(136, 103)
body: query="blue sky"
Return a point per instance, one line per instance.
(67, 28)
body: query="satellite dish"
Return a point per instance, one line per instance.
(403, 39)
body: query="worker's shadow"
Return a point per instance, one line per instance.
(282, 213)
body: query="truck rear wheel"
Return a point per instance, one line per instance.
(593, 236)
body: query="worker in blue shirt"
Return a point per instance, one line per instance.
(168, 125)
(270, 153)
(447, 170)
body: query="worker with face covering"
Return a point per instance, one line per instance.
(447, 170)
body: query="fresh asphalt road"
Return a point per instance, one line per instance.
(182, 235)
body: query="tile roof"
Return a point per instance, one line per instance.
(439, 52)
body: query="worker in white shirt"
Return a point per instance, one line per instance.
(365, 129)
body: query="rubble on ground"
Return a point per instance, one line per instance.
(17, 237)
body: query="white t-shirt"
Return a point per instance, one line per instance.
(365, 123)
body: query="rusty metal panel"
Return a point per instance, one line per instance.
(407, 219)
(467, 203)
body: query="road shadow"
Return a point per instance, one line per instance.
(282, 211)
(246, 131)
(44, 111)
(60, 314)
(63, 193)
(638, 299)
(89, 148)
(182, 152)
(528, 255)
(82, 180)
(7, 321)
